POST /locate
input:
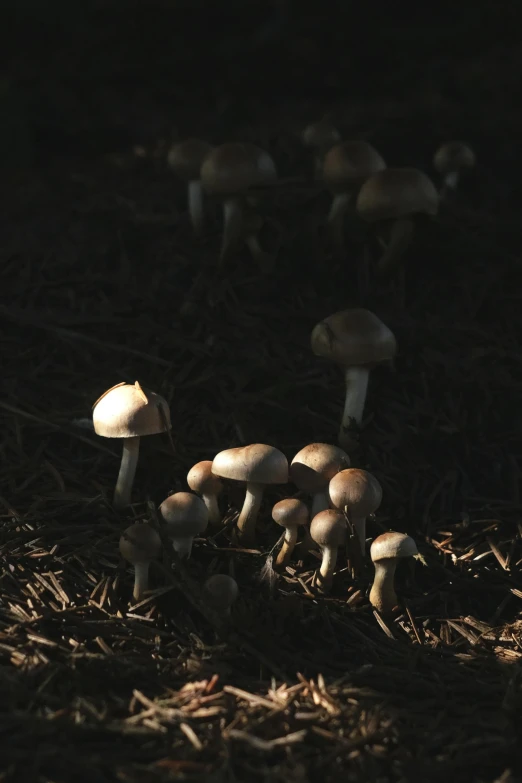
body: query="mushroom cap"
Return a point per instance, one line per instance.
(186, 158)
(222, 590)
(320, 134)
(201, 479)
(353, 338)
(350, 163)
(185, 514)
(357, 489)
(140, 543)
(128, 411)
(315, 465)
(290, 512)
(396, 193)
(328, 528)
(231, 169)
(391, 545)
(257, 463)
(453, 156)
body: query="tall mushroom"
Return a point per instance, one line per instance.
(328, 530)
(257, 465)
(185, 159)
(201, 480)
(129, 412)
(385, 552)
(228, 172)
(357, 340)
(392, 198)
(346, 166)
(290, 513)
(450, 160)
(221, 592)
(139, 545)
(319, 137)
(312, 469)
(186, 516)
(358, 492)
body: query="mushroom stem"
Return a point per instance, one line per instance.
(214, 514)
(183, 546)
(356, 387)
(286, 550)
(141, 580)
(195, 205)
(246, 524)
(382, 595)
(327, 567)
(401, 235)
(265, 260)
(129, 462)
(320, 503)
(233, 217)
(338, 210)
(359, 524)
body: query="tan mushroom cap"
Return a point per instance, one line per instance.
(186, 158)
(139, 544)
(257, 463)
(353, 338)
(396, 193)
(128, 411)
(350, 163)
(290, 512)
(185, 514)
(315, 465)
(357, 489)
(328, 528)
(321, 134)
(201, 479)
(453, 156)
(231, 169)
(392, 545)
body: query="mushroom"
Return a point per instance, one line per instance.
(257, 465)
(357, 340)
(221, 592)
(328, 530)
(319, 137)
(386, 551)
(290, 513)
(312, 469)
(450, 160)
(185, 159)
(359, 492)
(228, 172)
(140, 544)
(392, 198)
(201, 480)
(346, 166)
(130, 412)
(186, 515)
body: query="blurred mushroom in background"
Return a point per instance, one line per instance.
(450, 161)
(185, 160)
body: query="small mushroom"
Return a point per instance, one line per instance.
(359, 492)
(139, 545)
(185, 159)
(290, 513)
(328, 530)
(385, 552)
(357, 340)
(186, 516)
(319, 137)
(450, 160)
(258, 465)
(221, 592)
(130, 412)
(392, 198)
(201, 480)
(228, 172)
(312, 469)
(346, 166)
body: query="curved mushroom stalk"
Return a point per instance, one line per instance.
(129, 463)
(356, 388)
(338, 210)
(195, 206)
(246, 524)
(233, 218)
(382, 595)
(141, 580)
(324, 576)
(285, 553)
(400, 238)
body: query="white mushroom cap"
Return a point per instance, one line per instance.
(315, 465)
(393, 545)
(454, 156)
(201, 479)
(140, 544)
(353, 338)
(350, 163)
(397, 193)
(258, 463)
(185, 514)
(128, 411)
(290, 512)
(357, 489)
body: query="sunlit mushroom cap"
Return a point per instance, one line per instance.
(128, 411)
(315, 465)
(350, 163)
(397, 193)
(233, 168)
(353, 338)
(186, 158)
(357, 489)
(290, 512)
(201, 479)
(139, 544)
(185, 514)
(328, 528)
(391, 545)
(453, 156)
(257, 463)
